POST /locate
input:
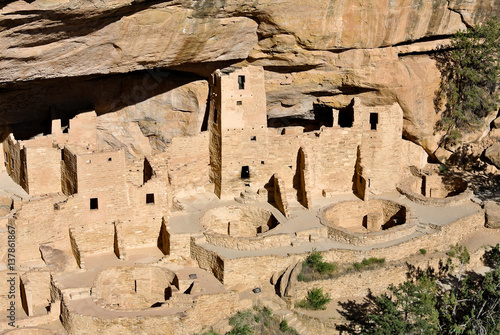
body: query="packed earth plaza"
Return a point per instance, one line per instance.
(177, 242)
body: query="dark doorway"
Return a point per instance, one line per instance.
(241, 82)
(346, 116)
(94, 203)
(245, 172)
(299, 179)
(148, 171)
(373, 121)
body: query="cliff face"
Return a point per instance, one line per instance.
(316, 51)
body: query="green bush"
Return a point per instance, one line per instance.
(284, 326)
(314, 259)
(241, 330)
(315, 300)
(326, 267)
(313, 268)
(423, 251)
(368, 263)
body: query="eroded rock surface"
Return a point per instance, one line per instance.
(318, 51)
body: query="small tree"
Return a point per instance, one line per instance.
(315, 299)
(470, 80)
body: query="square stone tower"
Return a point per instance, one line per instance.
(237, 125)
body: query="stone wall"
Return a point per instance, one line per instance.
(207, 259)
(132, 287)
(188, 163)
(43, 170)
(35, 292)
(440, 240)
(412, 188)
(381, 146)
(13, 162)
(252, 271)
(249, 243)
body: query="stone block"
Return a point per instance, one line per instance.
(492, 210)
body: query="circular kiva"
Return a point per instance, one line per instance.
(242, 228)
(435, 190)
(367, 222)
(133, 287)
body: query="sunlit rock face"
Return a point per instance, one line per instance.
(62, 56)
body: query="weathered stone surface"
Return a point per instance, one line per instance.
(311, 49)
(493, 154)
(492, 210)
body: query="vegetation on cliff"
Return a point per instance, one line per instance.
(471, 77)
(434, 302)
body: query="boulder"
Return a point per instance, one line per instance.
(493, 154)
(492, 209)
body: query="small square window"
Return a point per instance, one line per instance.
(94, 203)
(262, 162)
(150, 198)
(239, 103)
(253, 138)
(109, 159)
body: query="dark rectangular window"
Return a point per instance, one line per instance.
(215, 115)
(245, 172)
(94, 203)
(150, 198)
(373, 121)
(241, 82)
(239, 103)
(253, 138)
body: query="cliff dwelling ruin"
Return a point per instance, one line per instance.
(107, 242)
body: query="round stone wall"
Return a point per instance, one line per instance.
(367, 222)
(435, 190)
(242, 228)
(244, 221)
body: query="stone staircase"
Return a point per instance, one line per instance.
(282, 313)
(291, 320)
(425, 228)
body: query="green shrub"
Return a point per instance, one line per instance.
(284, 326)
(423, 251)
(326, 267)
(315, 300)
(314, 259)
(241, 330)
(368, 263)
(313, 268)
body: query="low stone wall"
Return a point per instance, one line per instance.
(207, 260)
(249, 243)
(343, 235)
(439, 240)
